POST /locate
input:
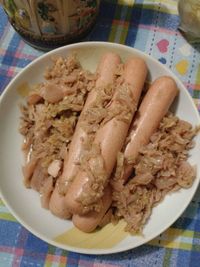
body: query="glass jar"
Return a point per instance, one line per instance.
(47, 24)
(189, 11)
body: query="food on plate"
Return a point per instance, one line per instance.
(105, 76)
(97, 150)
(153, 108)
(48, 123)
(161, 167)
(88, 222)
(89, 184)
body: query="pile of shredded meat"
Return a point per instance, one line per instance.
(160, 168)
(49, 118)
(48, 122)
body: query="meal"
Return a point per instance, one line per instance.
(98, 149)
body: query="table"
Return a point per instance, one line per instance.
(150, 26)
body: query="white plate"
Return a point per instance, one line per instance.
(25, 203)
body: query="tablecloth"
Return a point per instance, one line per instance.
(150, 26)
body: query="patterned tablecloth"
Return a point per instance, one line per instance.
(150, 26)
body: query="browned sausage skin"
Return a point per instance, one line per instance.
(110, 137)
(105, 71)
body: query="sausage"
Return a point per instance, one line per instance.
(56, 201)
(45, 192)
(109, 60)
(28, 171)
(105, 71)
(153, 108)
(110, 136)
(89, 222)
(151, 111)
